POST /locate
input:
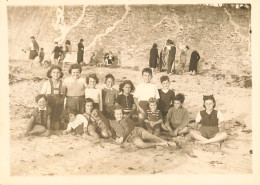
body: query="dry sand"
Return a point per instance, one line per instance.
(71, 155)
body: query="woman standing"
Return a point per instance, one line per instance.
(194, 62)
(183, 57)
(34, 49)
(153, 57)
(67, 53)
(80, 51)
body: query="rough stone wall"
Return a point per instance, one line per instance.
(220, 34)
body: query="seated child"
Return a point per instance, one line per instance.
(144, 91)
(212, 125)
(123, 129)
(109, 96)
(166, 96)
(95, 128)
(40, 122)
(154, 118)
(178, 117)
(77, 123)
(126, 99)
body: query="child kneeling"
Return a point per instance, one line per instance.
(177, 119)
(40, 122)
(211, 120)
(123, 129)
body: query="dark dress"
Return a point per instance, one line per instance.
(56, 52)
(165, 101)
(194, 61)
(171, 58)
(153, 58)
(80, 52)
(34, 53)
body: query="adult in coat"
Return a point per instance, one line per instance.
(194, 62)
(154, 56)
(80, 51)
(171, 56)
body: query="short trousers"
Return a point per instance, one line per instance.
(208, 131)
(137, 132)
(148, 126)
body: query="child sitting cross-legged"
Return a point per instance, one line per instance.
(123, 129)
(77, 123)
(177, 118)
(154, 118)
(212, 125)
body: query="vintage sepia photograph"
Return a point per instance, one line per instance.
(130, 89)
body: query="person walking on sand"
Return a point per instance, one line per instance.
(195, 56)
(34, 49)
(80, 55)
(183, 58)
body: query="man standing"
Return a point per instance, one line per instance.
(171, 56)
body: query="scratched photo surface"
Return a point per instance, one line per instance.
(220, 33)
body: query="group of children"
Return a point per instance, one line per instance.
(134, 115)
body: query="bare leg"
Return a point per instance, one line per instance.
(141, 144)
(92, 132)
(197, 135)
(31, 63)
(218, 138)
(37, 129)
(158, 141)
(105, 134)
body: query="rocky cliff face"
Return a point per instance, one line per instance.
(220, 34)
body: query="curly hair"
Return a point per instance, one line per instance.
(87, 100)
(40, 96)
(129, 82)
(75, 66)
(209, 97)
(179, 97)
(92, 75)
(109, 76)
(52, 68)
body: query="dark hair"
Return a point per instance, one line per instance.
(42, 49)
(67, 42)
(32, 37)
(121, 86)
(75, 66)
(152, 100)
(179, 97)
(187, 47)
(147, 70)
(52, 68)
(55, 42)
(209, 97)
(40, 96)
(164, 78)
(118, 107)
(109, 76)
(92, 75)
(72, 112)
(81, 40)
(87, 100)
(154, 45)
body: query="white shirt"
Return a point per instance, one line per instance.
(145, 91)
(80, 119)
(46, 88)
(94, 94)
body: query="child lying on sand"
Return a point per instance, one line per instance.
(123, 129)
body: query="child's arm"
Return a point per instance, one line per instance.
(100, 101)
(68, 129)
(153, 123)
(29, 126)
(138, 106)
(49, 122)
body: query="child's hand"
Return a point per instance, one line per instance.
(175, 133)
(119, 140)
